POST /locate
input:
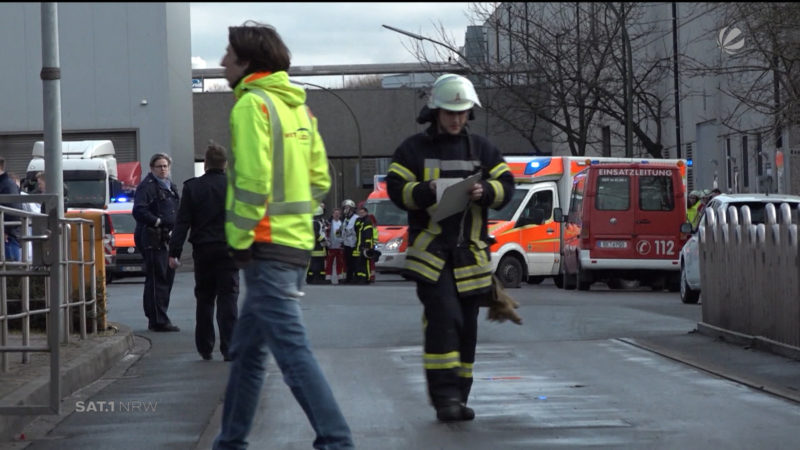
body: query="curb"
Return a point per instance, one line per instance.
(76, 372)
(757, 342)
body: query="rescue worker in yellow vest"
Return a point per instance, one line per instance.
(365, 241)
(449, 259)
(693, 203)
(316, 267)
(278, 175)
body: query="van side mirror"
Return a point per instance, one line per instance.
(686, 228)
(558, 215)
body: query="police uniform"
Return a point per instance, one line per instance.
(155, 209)
(216, 278)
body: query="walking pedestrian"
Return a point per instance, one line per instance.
(155, 206)
(216, 278)
(449, 259)
(279, 173)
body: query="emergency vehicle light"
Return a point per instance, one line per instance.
(535, 165)
(121, 199)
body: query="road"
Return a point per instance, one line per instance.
(569, 377)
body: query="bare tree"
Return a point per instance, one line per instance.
(563, 65)
(760, 67)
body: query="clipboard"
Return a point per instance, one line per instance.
(455, 198)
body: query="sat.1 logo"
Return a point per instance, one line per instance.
(730, 40)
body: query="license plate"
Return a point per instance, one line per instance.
(132, 268)
(612, 244)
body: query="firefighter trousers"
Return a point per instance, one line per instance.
(451, 333)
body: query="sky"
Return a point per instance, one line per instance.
(330, 33)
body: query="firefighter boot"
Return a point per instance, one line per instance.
(454, 412)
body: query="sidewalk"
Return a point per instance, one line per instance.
(82, 362)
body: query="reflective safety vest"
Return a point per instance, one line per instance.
(278, 168)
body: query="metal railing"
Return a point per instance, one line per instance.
(54, 250)
(751, 273)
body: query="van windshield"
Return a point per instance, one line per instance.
(387, 213)
(507, 212)
(85, 193)
(123, 222)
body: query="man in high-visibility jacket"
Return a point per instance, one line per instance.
(449, 257)
(277, 177)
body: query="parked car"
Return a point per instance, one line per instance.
(127, 261)
(690, 253)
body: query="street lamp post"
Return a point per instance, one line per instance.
(423, 38)
(355, 120)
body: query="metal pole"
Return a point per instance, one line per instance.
(628, 86)
(51, 99)
(355, 119)
(676, 79)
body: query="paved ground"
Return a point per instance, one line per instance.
(725, 355)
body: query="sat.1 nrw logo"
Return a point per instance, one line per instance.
(730, 40)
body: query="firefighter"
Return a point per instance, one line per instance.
(365, 243)
(449, 259)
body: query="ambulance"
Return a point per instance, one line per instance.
(392, 228)
(528, 241)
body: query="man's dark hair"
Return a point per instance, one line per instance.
(158, 156)
(261, 46)
(215, 157)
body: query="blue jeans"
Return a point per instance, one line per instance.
(13, 249)
(270, 321)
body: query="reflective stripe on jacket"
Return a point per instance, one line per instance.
(278, 168)
(463, 238)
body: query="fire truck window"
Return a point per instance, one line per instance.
(656, 193)
(613, 193)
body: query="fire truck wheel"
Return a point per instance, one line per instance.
(509, 271)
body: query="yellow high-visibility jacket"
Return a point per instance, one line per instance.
(278, 170)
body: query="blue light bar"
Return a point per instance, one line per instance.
(535, 165)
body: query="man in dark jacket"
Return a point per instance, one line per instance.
(449, 258)
(155, 206)
(13, 250)
(216, 278)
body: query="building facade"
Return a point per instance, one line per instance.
(125, 76)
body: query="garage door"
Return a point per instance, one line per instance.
(16, 148)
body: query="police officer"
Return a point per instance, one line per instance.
(155, 206)
(216, 278)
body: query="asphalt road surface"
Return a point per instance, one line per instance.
(569, 377)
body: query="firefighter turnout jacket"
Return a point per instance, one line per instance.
(462, 237)
(278, 171)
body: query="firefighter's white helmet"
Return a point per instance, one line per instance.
(348, 203)
(318, 211)
(453, 93)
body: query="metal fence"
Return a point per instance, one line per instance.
(57, 268)
(751, 274)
